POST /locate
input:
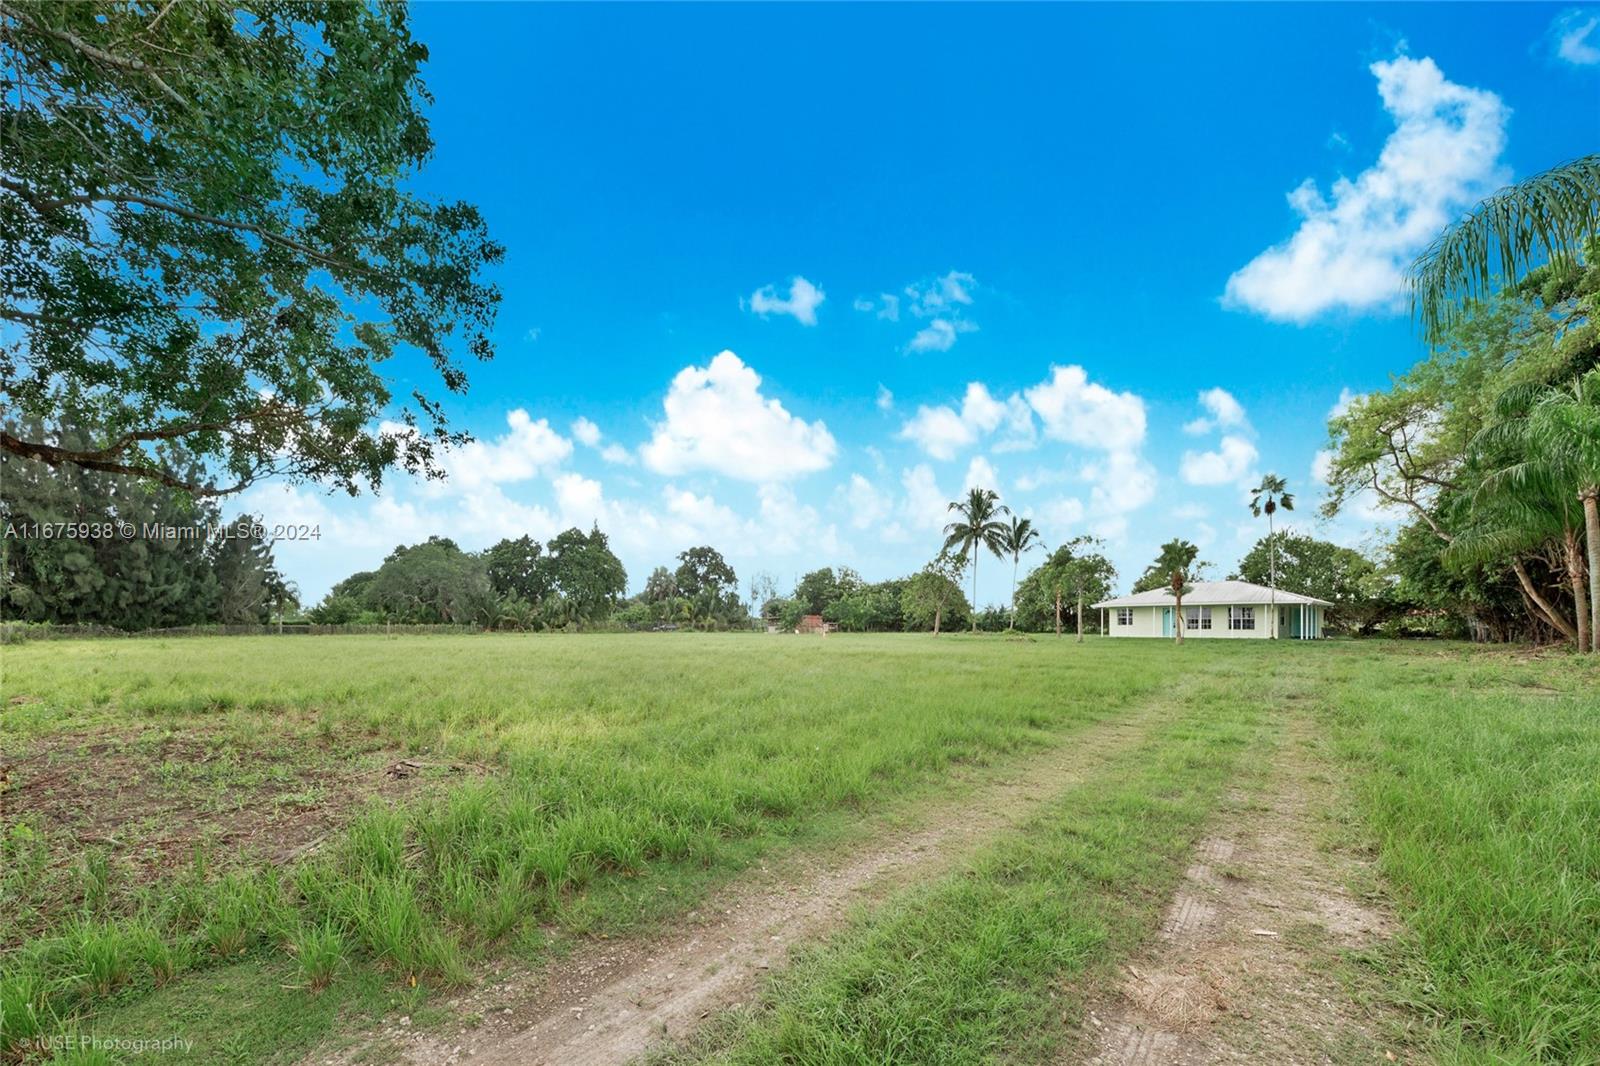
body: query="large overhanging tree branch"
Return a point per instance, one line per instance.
(209, 240)
(1546, 218)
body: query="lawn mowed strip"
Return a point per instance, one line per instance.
(1476, 774)
(997, 959)
(623, 774)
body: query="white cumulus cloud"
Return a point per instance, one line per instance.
(942, 431)
(1353, 246)
(802, 302)
(1574, 35)
(941, 295)
(1079, 411)
(527, 448)
(939, 335)
(718, 420)
(1321, 466)
(926, 506)
(587, 432)
(1222, 412)
(868, 507)
(981, 474)
(1233, 460)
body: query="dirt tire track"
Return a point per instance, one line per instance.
(1244, 968)
(609, 1002)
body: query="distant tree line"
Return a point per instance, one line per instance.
(569, 581)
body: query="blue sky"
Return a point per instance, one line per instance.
(1114, 261)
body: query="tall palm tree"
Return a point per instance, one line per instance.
(1552, 434)
(1020, 537)
(1173, 564)
(978, 527)
(1271, 494)
(1546, 217)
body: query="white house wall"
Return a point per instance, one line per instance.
(1147, 623)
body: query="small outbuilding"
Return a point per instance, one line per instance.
(1234, 609)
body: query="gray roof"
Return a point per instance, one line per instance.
(1212, 594)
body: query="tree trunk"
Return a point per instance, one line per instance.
(938, 612)
(975, 553)
(1015, 560)
(1080, 618)
(1572, 550)
(1177, 620)
(1058, 612)
(1551, 615)
(1591, 526)
(1272, 580)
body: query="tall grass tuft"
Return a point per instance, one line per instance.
(320, 952)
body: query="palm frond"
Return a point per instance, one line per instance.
(1547, 217)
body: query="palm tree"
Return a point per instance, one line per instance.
(1526, 513)
(1020, 537)
(1176, 557)
(1270, 495)
(1552, 432)
(979, 527)
(1547, 217)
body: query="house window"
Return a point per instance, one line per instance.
(1241, 617)
(1197, 617)
(1124, 616)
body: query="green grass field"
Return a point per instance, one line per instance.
(262, 841)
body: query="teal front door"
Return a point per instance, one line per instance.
(1166, 621)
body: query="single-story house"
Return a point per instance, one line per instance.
(1216, 609)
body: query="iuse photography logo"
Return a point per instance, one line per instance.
(92, 1043)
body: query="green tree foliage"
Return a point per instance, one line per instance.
(1158, 575)
(977, 527)
(1075, 574)
(1456, 600)
(587, 576)
(703, 569)
(1020, 537)
(124, 576)
(819, 589)
(932, 598)
(1176, 566)
(516, 568)
(431, 582)
(1543, 455)
(1266, 498)
(705, 579)
(660, 586)
(1546, 218)
(870, 608)
(209, 240)
(347, 602)
(1482, 443)
(1363, 596)
(250, 590)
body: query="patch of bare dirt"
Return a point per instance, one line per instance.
(612, 1001)
(1247, 966)
(151, 797)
